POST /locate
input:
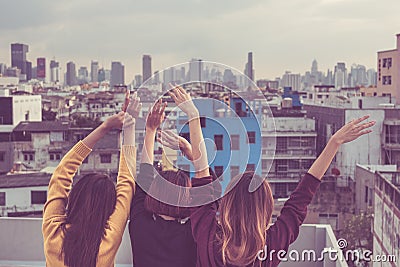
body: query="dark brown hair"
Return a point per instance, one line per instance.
(90, 204)
(158, 188)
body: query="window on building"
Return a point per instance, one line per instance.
(252, 137)
(235, 139)
(234, 171)
(265, 163)
(105, 158)
(384, 62)
(294, 142)
(250, 167)
(2, 198)
(280, 190)
(29, 156)
(2, 156)
(281, 144)
(55, 156)
(294, 164)
(218, 139)
(38, 197)
(219, 170)
(203, 122)
(56, 136)
(281, 165)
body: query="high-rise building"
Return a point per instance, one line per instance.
(101, 75)
(54, 71)
(156, 77)
(117, 74)
(249, 71)
(291, 80)
(18, 56)
(314, 67)
(28, 70)
(83, 75)
(371, 77)
(41, 68)
(389, 72)
(340, 75)
(70, 78)
(94, 72)
(138, 80)
(146, 65)
(195, 70)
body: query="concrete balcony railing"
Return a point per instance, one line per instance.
(22, 244)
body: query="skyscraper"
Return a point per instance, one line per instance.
(83, 75)
(71, 74)
(146, 65)
(41, 68)
(101, 75)
(195, 70)
(18, 56)
(54, 71)
(117, 74)
(249, 71)
(340, 75)
(94, 72)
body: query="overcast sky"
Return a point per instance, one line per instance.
(283, 34)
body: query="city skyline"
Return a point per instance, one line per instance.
(321, 30)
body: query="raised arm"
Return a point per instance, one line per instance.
(61, 180)
(127, 167)
(184, 101)
(286, 228)
(347, 133)
(154, 119)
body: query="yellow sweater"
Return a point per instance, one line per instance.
(54, 209)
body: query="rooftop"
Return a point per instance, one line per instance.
(24, 246)
(42, 126)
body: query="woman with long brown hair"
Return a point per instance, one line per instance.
(83, 226)
(235, 232)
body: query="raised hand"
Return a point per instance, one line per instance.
(183, 100)
(115, 121)
(170, 139)
(156, 116)
(133, 105)
(353, 130)
(126, 101)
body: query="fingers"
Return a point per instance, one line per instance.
(357, 121)
(364, 132)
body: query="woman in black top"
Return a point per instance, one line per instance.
(160, 233)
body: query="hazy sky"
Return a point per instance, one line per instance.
(283, 34)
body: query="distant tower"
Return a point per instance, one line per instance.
(146, 65)
(94, 72)
(195, 70)
(41, 68)
(54, 71)
(18, 58)
(70, 78)
(249, 66)
(117, 74)
(314, 67)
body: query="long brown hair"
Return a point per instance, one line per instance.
(90, 204)
(244, 217)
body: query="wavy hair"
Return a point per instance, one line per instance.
(244, 217)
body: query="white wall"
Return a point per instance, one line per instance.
(366, 149)
(21, 198)
(27, 103)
